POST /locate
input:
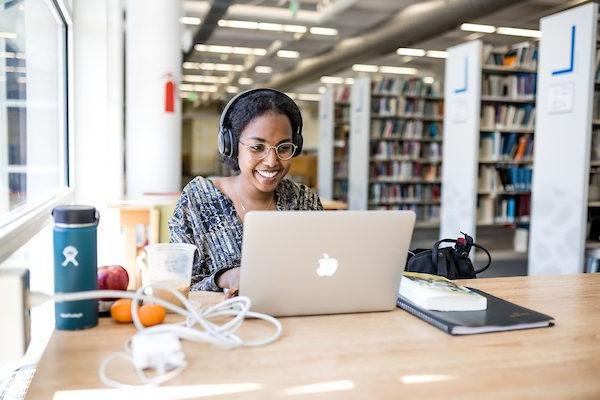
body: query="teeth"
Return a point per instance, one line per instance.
(267, 174)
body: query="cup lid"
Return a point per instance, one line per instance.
(73, 214)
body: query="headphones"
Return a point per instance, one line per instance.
(227, 144)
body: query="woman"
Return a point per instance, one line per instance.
(260, 132)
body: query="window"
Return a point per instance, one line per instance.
(34, 170)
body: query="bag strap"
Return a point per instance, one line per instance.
(489, 258)
(434, 253)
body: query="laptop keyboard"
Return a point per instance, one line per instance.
(15, 386)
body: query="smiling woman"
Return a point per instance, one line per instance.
(260, 132)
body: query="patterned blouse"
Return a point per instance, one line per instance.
(204, 216)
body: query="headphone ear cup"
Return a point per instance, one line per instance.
(221, 142)
(226, 146)
(298, 140)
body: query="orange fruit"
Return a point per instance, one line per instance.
(151, 314)
(120, 311)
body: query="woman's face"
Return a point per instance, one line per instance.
(270, 129)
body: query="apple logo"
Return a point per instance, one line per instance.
(327, 266)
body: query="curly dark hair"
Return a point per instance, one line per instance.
(255, 104)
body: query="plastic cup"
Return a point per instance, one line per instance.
(170, 265)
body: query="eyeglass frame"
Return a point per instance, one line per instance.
(268, 150)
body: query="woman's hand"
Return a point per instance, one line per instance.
(230, 279)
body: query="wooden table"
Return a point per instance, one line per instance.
(387, 355)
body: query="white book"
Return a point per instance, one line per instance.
(433, 292)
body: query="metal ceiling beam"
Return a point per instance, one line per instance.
(413, 24)
(218, 8)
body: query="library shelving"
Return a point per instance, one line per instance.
(341, 131)
(565, 214)
(405, 146)
(334, 128)
(506, 127)
(593, 218)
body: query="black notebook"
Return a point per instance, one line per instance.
(500, 315)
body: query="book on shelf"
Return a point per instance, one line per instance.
(342, 94)
(500, 315)
(505, 209)
(432, 292)
(511, 87)
(507, 116)
(519, 55)
(597, 69)
(506, 146)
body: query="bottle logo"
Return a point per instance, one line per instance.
(70, 253)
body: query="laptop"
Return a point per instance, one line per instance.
(324, 262)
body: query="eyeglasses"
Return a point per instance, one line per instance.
(258, 151)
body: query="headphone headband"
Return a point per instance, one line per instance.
(226, 139)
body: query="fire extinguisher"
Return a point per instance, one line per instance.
(169, 94)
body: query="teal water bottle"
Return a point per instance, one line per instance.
(75, 264)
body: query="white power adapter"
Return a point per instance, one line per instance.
(160, 351)
(15, 333)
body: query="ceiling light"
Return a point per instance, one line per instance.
(365, 68)
(230, 50)
(186, 87)
(265, 26)
(291, 95)
(397, 70)
(238, 24)
(317, 30)
(478, 28)
(294, 28)
(437, 54)
(349, 81)
(245, 81)
(309, 96)
(336, 80)
(403, 51)
(190, 20)
(518, 32)
(322, 89)
(205, 79)
(262, 26)
(263, 69)
(428, 80)
(8, 35)
(288, 54)
(232, 89)
(213, 67)
(191, 65)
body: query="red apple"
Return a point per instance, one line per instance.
(112, 277)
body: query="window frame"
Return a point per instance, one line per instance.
(26, 221)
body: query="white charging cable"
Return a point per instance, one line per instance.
(155, 347)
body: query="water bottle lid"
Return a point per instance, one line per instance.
(75, 215)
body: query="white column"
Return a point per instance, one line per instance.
(462, 92)
(358, 159)
(153, 134)
(98, 104)
(326, 133)
(562, 141)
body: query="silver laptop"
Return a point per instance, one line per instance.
(324, 262)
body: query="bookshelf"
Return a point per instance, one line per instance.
(565, 185)
(506, 139)
(405, 147)
(334, 143)
(593, 212)
(341, 142)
